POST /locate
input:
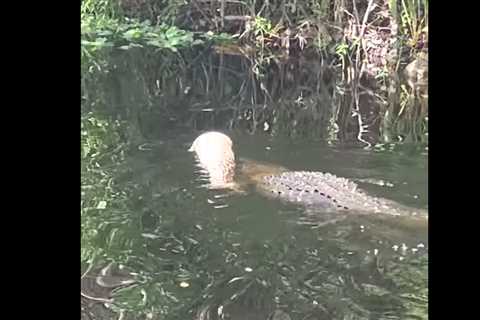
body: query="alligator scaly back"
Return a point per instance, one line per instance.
(329, 192)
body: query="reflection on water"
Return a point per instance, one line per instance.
(213, 254)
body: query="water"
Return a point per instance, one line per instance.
(206, 254)
(212, 254)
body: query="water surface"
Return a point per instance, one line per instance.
(213, 254)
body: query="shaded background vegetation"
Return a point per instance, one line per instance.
(340, 70)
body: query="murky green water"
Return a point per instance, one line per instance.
(207, 254)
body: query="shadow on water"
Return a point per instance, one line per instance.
(196, 253)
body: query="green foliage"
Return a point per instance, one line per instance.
(342, 50)
(98, 136)
(99, 8)
(103, 28)
(132, 33)
(414, 18)
(262, 28)
(101, 148)
(221, 38)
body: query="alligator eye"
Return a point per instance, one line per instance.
(329, 196)
(279, 192)
(339, 206)
(289, 188)
(316, 190)
(307, 191)
(346, 208)
(322, 194)
(334, 200)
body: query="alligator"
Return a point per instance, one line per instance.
(324, 191)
